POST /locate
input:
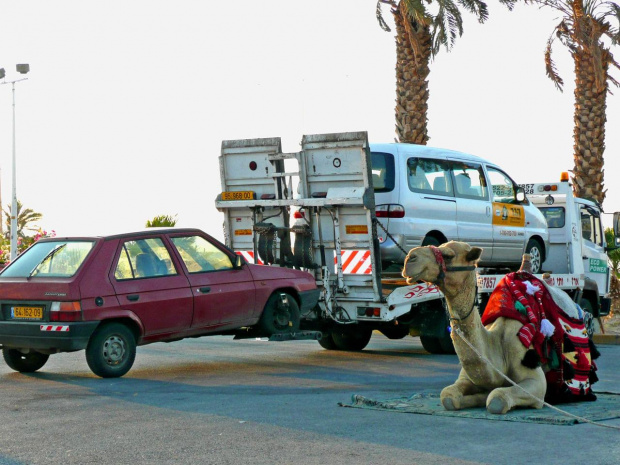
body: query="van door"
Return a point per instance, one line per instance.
(473, 207)
(508, 218)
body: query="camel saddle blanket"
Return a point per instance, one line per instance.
(566, 352)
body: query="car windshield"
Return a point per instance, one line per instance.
(58, 259)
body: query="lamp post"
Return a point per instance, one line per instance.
(22, 69)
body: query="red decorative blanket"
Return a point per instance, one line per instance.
(564, 349)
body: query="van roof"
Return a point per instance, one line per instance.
(425, 151)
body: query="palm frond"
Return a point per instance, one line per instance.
(479, 8)
(550, 68)
(379, 14)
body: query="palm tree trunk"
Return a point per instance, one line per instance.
(413, 52)
(589, 133)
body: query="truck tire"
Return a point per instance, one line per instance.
(536, 253)
(281, 314)
(24, 363)
(111, 350)
(431, 344)
(395, 332)
(352, 340)
(327, 341)
(446, 345)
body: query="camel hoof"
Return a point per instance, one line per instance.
(497, 406)
(448, 404)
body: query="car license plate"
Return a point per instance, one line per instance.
(241, 195)
(28, 313)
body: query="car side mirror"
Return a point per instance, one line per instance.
(239, 262)
(520, 195)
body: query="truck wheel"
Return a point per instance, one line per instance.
(111, 350)
(395, 332)
(24, 363)
(327, 341)
(281, 314)
(431, 344)
(354, 340)
(536, 253)
(446, 345)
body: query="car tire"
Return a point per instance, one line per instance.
(111, 350)
(351, 340)
(536, 255)
(24, 363)
(281, 315)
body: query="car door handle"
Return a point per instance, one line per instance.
(133, 297)
(204, 290)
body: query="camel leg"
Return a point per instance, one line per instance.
(463, 394)
(502, 400)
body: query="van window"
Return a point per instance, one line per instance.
(555, 216)
(429, 176)
(382, 171)
(503, 188)
(469, 181)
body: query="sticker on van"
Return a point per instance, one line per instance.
(507, 214)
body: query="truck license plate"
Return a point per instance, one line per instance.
(241, 195)
(30, 313)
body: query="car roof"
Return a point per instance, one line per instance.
(137, 233)
(425, 151)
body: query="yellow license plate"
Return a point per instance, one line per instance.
(31, 313)
(241, 195)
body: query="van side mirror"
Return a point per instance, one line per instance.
(520, 195)
(616, 226)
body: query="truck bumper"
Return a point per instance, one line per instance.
(43, 336)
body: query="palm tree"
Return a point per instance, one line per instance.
(422, 28)
(583, 26)
(160, 221)
(25, 217)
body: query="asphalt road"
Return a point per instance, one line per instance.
(218, 401)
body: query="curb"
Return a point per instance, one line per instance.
(606, 339)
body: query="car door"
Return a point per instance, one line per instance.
(473, 206)
(508, 218)
(148, 283)
(223, 294)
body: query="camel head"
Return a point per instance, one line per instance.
(446, 265)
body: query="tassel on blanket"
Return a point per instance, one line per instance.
(547, 328)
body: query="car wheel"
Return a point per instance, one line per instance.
(24, 363)
(281, 314)
(111, 350)
(430, 240)
(588, 318)
(354, 340)
(536, 255)
(431, 344)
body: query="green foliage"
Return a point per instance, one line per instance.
(613, 252)
(25, 219)
(162, 221)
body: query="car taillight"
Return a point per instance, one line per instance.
(298, 215)
(66, 311)
(390, 211)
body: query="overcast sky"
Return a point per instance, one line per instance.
(127, 102)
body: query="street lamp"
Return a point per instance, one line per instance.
(22, 69)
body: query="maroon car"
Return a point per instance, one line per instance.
(110, 294)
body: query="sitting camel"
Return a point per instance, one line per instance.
(452, 268)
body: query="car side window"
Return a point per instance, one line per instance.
(429, 176)
(502, 187)
(200, 256)
(469, 181)
(144, 258)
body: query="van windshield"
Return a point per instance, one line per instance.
(382, 171)
(58, 259)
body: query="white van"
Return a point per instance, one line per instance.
(428, 196)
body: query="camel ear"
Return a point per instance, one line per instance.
(474, 254)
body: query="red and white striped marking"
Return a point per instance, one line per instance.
(249, 256)
(62, 328)
(355, 262)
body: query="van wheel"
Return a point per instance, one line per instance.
(536, 255)
(111, 350)
(281, 314)
(24, 363)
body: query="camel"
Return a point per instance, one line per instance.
(452, 268)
